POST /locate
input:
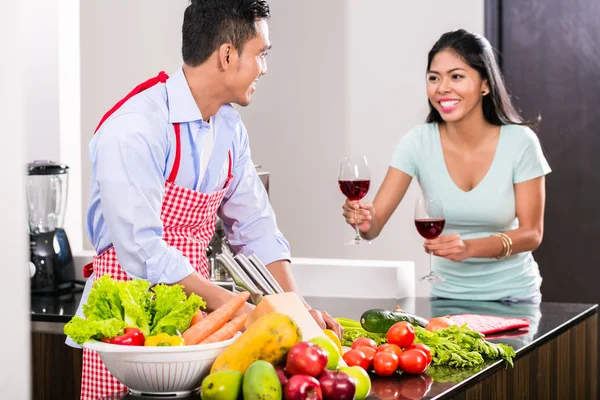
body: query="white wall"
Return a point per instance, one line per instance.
(15, 338)
(41, 86)
(346, 78)
(123, 43)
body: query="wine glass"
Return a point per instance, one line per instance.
(430, 221)
(354, 180)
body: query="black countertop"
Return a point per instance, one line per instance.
(547, 320)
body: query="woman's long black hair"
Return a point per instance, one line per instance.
(477, 52)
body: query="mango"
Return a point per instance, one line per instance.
(261, 382)
(222, 385)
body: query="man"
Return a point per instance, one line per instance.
(173, 155)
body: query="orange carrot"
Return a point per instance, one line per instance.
(197, 317)
(228, 330)
(215, 320)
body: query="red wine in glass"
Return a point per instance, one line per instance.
(430, 222)
(430, 228)
(354, 189)
(354, 180)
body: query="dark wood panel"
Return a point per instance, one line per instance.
(56, 368)
(563, 368)
(551, 58)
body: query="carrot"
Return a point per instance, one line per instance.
(228, 330)
(197, 317)
(215, 320)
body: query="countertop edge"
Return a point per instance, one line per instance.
(461, 387)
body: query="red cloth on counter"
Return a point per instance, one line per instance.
(488, 324)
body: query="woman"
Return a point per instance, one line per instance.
(478, 156)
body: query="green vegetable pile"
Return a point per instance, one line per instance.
(455, 346)
(115, 305)
(353, 330)
(460, 346)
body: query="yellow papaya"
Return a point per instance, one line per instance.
(269, 338)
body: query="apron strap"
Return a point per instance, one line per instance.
(160, 78)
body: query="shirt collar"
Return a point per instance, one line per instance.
(182, 106)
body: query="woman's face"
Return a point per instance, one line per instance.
(454, 88)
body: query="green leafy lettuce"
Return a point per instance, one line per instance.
(460, 346)
(353, 330)
(114, 305)
(174, 308)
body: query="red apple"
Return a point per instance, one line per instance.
(280, 369)
(305, 358)
(337, 385)
(302, 387)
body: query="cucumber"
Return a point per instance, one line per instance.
(380, 321)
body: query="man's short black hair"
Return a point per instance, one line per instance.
(207, 24)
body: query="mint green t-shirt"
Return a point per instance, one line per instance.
(487, 209)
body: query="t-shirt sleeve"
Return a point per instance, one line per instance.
(530, 162)
(405, 154)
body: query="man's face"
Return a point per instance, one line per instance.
(248, 67)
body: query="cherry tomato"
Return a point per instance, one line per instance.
(392, 348)
(369, 353)
(401, 333)
(385, 363)
(423, 348)
(413, 361)
(362, 341)
(355, 357)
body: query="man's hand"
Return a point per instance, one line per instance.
(326, 321)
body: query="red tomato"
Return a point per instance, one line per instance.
(423, 348)
(413, 361)
(355, 357)
(392, 348)
(363, 341)
(385, 363)
(401, 333)
(369, 353)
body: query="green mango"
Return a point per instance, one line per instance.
(261, 382)
(222, 385)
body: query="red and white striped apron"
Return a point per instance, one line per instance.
(188, 219)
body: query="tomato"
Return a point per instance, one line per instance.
(363, 341)
(401, 333)
(413, 361)
(369, 353)
(385, 363)
(355, 357)
(392, 348)
(423, 348)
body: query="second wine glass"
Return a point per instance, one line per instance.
(430, 221)
(354, 180)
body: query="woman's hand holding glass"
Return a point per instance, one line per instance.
(451, 247)
(357, 212)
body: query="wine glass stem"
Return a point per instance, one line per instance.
(358, 237)
(430, 264)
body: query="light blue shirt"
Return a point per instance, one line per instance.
(132, 155)
(487, 209)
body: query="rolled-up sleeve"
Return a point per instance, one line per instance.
(128, 159)
(248, 218)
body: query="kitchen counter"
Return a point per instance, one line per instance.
(556, 356)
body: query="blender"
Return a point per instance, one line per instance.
(51, 266)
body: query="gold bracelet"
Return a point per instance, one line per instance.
(506, 246)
